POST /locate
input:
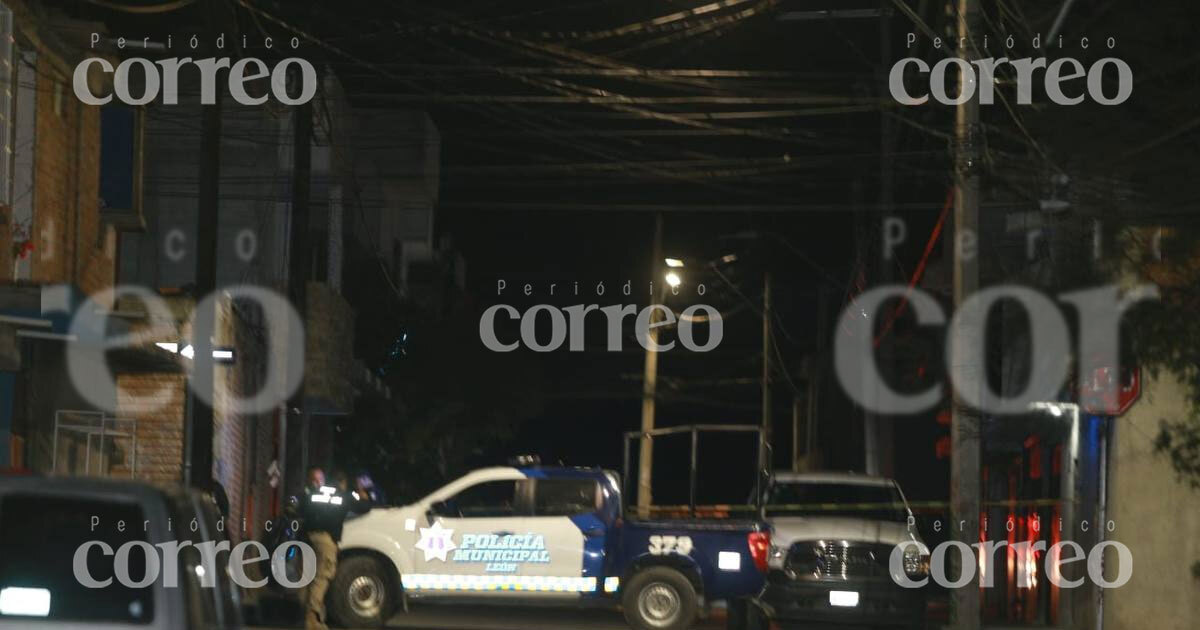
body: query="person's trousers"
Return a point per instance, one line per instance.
(326, 551)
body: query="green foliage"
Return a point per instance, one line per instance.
(1165, 336)
(1180, 441)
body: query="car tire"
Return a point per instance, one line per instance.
(660, 598)
(362, 595)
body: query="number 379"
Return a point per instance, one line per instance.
(664, 545)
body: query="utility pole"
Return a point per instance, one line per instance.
(650, 382)
(198, 461)
(299, 258)
(799, 440)
(965, 423)
(812, 400)
(766, 364)
(880, 456)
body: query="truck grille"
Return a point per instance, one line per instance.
(833, 560)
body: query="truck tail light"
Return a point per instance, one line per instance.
(760, 543)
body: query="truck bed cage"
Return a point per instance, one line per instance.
(695, 430)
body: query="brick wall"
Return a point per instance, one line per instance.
(54, 163)
(97, 250)
(157, 402)
(71, 243)
(243, 444)
(261, 504)
(229, 426)
(6, 244)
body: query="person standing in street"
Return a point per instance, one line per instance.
(323, 511)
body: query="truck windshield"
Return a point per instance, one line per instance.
(846, 500)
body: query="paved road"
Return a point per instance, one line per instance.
(507, 618)
(457, 617)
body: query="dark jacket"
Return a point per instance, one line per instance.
(323, 510)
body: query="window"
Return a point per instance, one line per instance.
(566, 497)
(491, 498)
(38, 539)
(121, 131)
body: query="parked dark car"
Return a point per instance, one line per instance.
(45, 522)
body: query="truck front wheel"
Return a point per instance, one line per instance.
(362, 594)
(660, 598)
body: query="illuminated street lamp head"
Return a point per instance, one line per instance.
(673, 279)
(674, 262)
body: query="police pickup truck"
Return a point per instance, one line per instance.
(543, 534)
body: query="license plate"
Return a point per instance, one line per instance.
(845, 599)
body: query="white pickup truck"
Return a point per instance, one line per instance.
(832, 538)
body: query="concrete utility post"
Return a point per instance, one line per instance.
(766, 363)
(198, 460)
(300, 266)
(966, 365)
(878, 428)
(650, 384)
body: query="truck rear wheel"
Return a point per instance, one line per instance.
(362, 594)
(659, 598)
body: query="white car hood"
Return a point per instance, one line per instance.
(791, 529)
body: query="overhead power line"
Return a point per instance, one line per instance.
(716, 25)
(660, 22)
(569, 89)
(619, 99)
(144, 9)
(577, 206)
(697, 73)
